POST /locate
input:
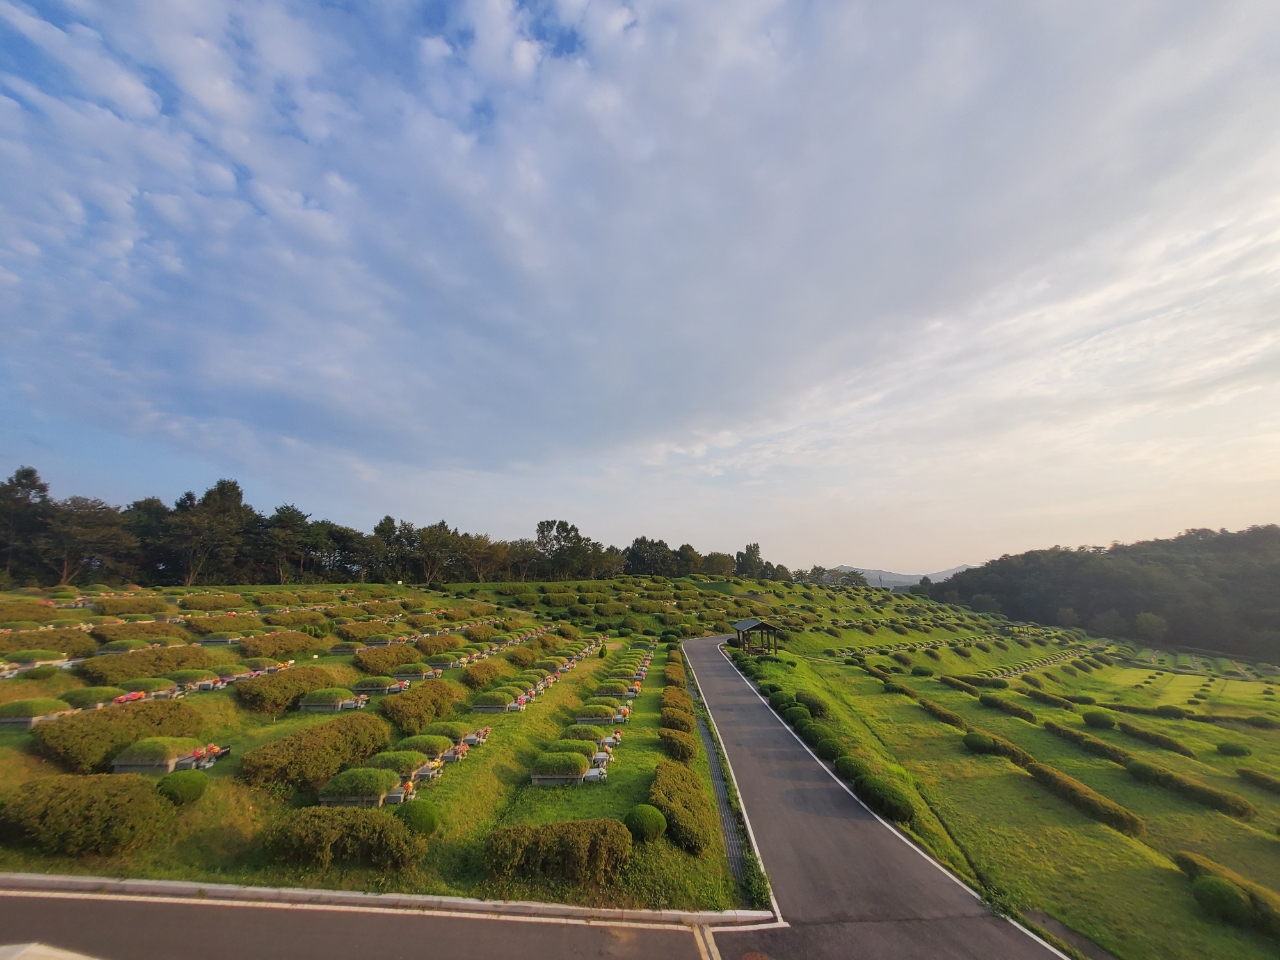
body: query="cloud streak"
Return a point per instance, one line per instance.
(713, 271)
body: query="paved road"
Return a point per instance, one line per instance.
(142, 930)
(849, 886)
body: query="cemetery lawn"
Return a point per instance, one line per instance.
(989, 821)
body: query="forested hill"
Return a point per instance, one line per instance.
(1216, 591)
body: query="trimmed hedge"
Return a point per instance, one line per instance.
(673, 675)
(327, 695)
(208, 601)
(1223, 900)
(115, 670)
(830, 749)
(1234, 750)
(115, 606)
(645, 822)
(183, 786)
(577, 851)
(419, 706)
(1091, 744)
(795, 713)
(482, 674)
(89, 741)
(311, 756)
(584, 733)
(434, 646)
(943, 714)
(612, 689)
(1013, 709)
(1048, 699)
(97, 814)
(678, 744)
(561, 764)
(1264, 904)
(361, 782)
(1099, 720)
(584, 747)
(494, 698)
(35, 707)
(1087, 801)
(1156, 739)
(321, 835)
(281, 646)
(781, 699)
(277, 692)
(1259, 779)
(1228, 803)
(382, 660)
(445, 728)
(677, 792)
(88, 696)
(980, 741)
(885, 797)
(426, 743)
(959, 684)
(594, 713)
(678, 720)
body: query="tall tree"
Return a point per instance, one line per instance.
(24, 502)
(748, 562)
(82, 534)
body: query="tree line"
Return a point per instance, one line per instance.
(218, 538)
(1204, 589)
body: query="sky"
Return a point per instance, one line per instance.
(892, 285)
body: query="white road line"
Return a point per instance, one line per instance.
(711, 943)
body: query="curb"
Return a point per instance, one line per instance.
(182, 889)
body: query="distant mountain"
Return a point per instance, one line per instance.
(890, 579)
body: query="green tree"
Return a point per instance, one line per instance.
(83, 534)
(1150, 626)
(718, 564)
(210, 532)
(24, 507)
(688, 560)
(748, 563)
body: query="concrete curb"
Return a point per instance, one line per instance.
(384, 901)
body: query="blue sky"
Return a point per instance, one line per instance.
(903, 285)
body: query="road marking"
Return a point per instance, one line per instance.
(711, 943)
(845, 787)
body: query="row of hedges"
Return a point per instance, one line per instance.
(114, 670)
(321, 835)
(420, 705)
(1228, 803)
(1259, 779)
(677, 792)
(577, 851)
(70, 641)
(943, 714)
(89, 741)
(277, 692)
(1088, 801)
(980, 741)
(76, 815)
(1008, 706)
(959, 684)
(1156, 739)
(1263, 905)
(311, 756)
(1090, 744)
(116, 606)
(1048, 699)
(673, 674)
(478, 675)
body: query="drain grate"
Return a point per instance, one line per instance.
(728, 822)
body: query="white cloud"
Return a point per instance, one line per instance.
(744, 270)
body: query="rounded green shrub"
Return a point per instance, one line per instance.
(39, 673)
(420, 816)
(885, 797)
(32, 656)
(1099, 720)
(645, 822)
(1234, 750)
(780, 699)
(1222, 900)
(815, 733)
(493, 699)
(768, 689)
(814, 703)
(327, 695)
(1171, 712)
(612, 703)
(678, 720)
(678, 744)
(849, 768)
(183, 786)
(921, 672)
(584, 747)
(446, 728)
(830, 749)
(98, 813)
(583, 732)
(427, 744)
(795, 713)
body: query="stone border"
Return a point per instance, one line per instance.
(393, 901)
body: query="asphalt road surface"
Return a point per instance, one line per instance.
(849, 887)
(149, 930)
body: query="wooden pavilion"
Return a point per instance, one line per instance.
(751, 629)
